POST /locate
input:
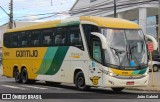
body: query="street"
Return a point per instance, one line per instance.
(68, 91)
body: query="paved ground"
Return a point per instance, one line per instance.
(65, 92)
(150, 87)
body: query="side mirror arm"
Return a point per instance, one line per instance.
(102, 38)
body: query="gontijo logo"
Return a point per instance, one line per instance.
(26, 53)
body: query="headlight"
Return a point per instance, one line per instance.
(112, 74)
(108, 73)
(147, 72)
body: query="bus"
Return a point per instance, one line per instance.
(87, 51)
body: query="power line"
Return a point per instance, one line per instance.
(107, 7)
(4, 10)
(80, 10)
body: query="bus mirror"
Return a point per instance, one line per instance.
(102, 38)
(154, 41)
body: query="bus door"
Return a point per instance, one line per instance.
(95, 74)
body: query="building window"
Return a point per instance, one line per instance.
(152, 26)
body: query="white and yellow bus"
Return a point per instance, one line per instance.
(87, 51)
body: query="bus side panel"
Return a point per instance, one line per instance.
(32, 67)
(8, 66)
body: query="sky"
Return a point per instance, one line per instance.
(35, 10)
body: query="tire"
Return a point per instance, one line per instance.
(117, 89)
(24, 76)
(17, 76)
(155, 68)
(80, 81)
(52, 83)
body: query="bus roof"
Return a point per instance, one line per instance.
(100, 21)
(111, 22)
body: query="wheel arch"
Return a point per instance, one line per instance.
(75, 72)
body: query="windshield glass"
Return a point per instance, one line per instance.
(126, 48)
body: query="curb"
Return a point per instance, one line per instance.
(156, 89)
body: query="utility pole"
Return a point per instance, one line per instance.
(158, 28)
(115, 9)
(11, 14)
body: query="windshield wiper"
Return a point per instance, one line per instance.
(117, 53)
(130, 52)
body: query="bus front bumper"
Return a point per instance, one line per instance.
(117, 82)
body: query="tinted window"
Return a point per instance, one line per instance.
(6, 40)
(47, 37)
(75, 37)
(87, 31)
(97, 51)
(24, 39)
(15, 38)
(34, 38)
(60, 36)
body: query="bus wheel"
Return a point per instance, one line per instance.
(117, 89)
(24, 76)
(17, 76)
(80, 81)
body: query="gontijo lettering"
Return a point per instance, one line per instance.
(26, 53)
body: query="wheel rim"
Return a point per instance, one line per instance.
(17, 77)
(155, 68)
(80, 81)
(24, 76)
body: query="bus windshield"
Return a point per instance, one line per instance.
(126, 49)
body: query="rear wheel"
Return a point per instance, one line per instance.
(24, 75)
(117, 89)
(80, 81)
(17, 76)
(155, 68)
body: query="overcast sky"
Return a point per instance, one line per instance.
(36, 10)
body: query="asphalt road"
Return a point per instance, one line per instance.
(68, 92)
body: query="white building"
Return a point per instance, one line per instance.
(143, 12)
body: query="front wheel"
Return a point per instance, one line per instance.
(117, 89)
(80, 81)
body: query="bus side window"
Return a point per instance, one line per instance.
(97, 51)
(24, 39)
(15, 38)
(34, 38)
(60, 36)
(87, 28)
(47, 37)
(75, 37)
(6, 40)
